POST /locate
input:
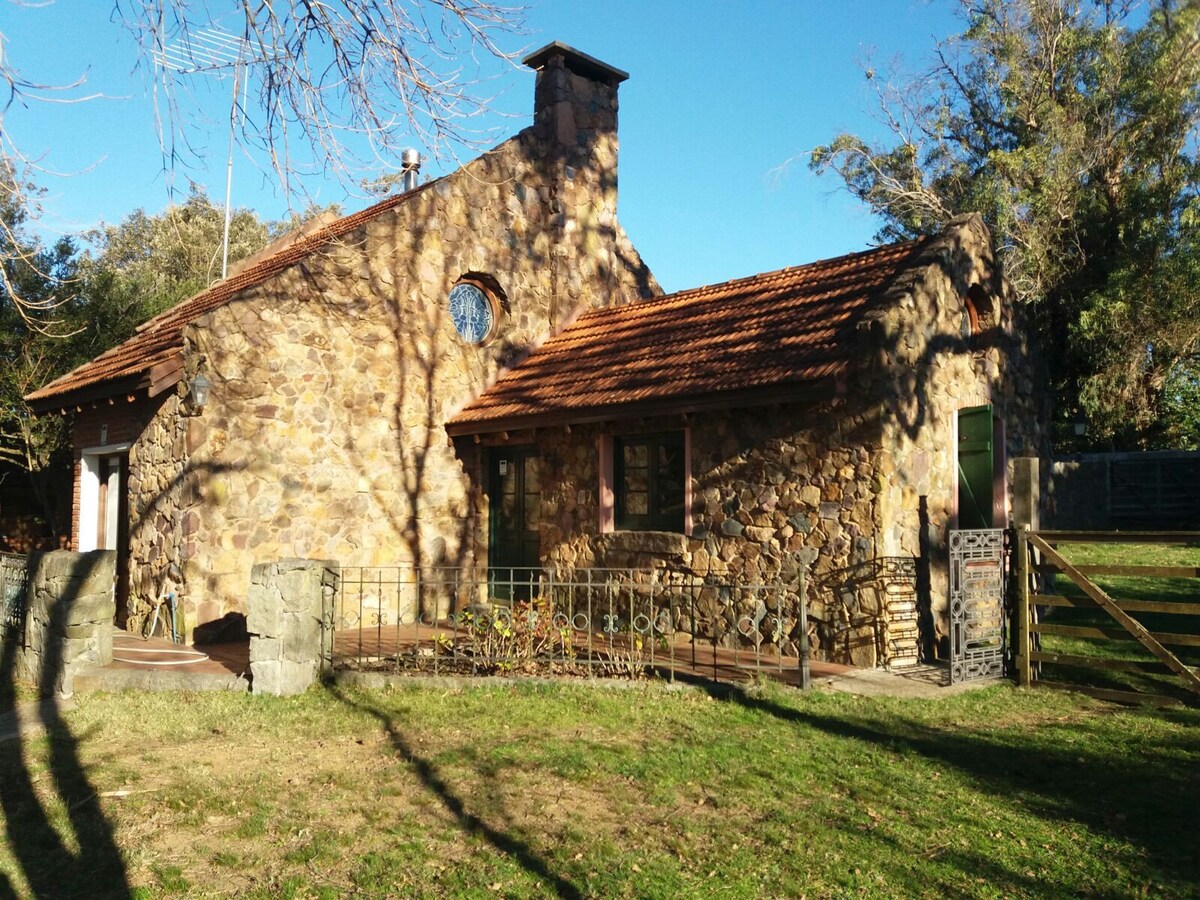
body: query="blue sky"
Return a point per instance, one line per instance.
(720, 95)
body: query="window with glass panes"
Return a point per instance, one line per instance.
(649, 474)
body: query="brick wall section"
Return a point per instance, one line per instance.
(125, 421)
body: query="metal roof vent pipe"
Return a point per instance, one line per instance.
(410, 165)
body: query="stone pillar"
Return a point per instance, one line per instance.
(289, 603)
(1026, 493)
(70, 606)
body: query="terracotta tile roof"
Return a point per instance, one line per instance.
(719, 342)
(158, 341)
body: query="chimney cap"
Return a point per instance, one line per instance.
(577, 62)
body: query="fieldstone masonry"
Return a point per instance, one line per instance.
(331, 380)
(322, 436)
(290, 604)
(69, 618)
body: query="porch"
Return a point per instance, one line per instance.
(415, 649)
(366, 656)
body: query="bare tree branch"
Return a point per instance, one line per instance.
(337, 86)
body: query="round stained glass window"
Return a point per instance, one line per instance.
(472, 311)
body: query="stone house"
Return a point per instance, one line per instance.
(836, 418)
(333, 362)
(481, 372)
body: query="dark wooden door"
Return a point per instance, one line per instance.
(514, 501)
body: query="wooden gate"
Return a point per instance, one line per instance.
(1106, 638)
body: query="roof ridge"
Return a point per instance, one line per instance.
(760, 277)
(308, 243)
(787, 326)
(167, 325)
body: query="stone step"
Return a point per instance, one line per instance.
(147, 679)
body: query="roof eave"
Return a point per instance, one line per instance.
(103, 390)
(804, 392)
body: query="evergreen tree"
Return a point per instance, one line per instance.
(1073, 128)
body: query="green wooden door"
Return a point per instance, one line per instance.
(514, 501)
(975, 467)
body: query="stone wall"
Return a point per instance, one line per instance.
(775, 497)
(69, 617)
(924, 372)
(322, 436)
(155, 487)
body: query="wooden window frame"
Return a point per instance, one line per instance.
(655, 519)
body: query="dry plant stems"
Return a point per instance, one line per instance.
(339, 87)
(19, 195)
(529, 638)
(513, 640)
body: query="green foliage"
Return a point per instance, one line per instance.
(59, 309)
(1072, 128)
(35, 280)
(149, 263)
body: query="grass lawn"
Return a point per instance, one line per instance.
(1169, 590)
(579, 792)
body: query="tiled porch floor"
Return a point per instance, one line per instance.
(159, 665)
(132, 652)
(688, 661)
(156, 662)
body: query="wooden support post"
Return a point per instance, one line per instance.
(1026, 492)
(1024, 633)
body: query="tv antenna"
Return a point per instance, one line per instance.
(211, 51)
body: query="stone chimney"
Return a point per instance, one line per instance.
(575, 100)
(574, 138)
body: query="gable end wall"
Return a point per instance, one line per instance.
(323, 436)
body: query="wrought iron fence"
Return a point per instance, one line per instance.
(14, 582)
(591, 622)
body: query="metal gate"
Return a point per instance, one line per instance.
(977, 581)
(14, 581)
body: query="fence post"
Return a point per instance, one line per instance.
(1023, 633)
(805, 671)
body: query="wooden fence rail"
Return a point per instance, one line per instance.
(1038, 553)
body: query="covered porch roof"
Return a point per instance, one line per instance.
(775, 337)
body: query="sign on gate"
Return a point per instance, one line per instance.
(976, 604)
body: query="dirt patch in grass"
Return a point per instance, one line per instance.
(238, 814)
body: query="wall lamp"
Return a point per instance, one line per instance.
(199, 390)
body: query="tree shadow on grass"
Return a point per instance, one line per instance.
(34, 834)
(456, 805)
(1074, 775)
